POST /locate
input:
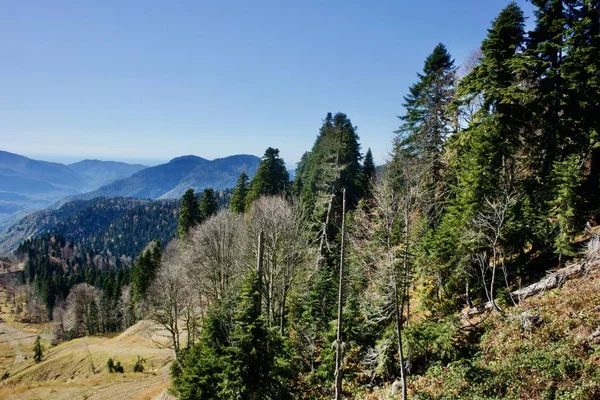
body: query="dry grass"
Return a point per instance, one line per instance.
(554, 359)
(77, 369)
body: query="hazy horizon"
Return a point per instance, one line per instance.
(139, 81)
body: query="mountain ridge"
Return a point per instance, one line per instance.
(172, 179)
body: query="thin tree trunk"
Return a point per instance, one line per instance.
(406, 285)
(492, 284)
(399, 308)
(282, 311)
(259, 272)
(324, 232)
(339, 347)
(402, 300)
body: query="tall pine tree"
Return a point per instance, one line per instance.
(238, 197)
(189, 216)
(271, 177)
(208, 204)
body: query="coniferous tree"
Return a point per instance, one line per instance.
(271, 177)
(208, 204)
(189, 216)
(252, 363)
(581, 70)
(38, 351)
(333, 164)
(368, 171)
(484, 161)
(237, 356)
(565, 202)
(237, 203)
(427, 122)
(145, 269)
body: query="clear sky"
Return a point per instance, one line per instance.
(152, 80)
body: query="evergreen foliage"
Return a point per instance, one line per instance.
(369, 173)
(38, 351)
(144, 270)
(244, 360)
(494, 175)
(189, 215)
(270, 179)
(208, 204)
(238, 197)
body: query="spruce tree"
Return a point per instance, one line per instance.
(484, 155)
(38, 351)
(427, 122)
(565, 203)
(145, 268)
(368, 171)
(270, 179)
(208, 204)
(252, 366)
(238, 197)
(189, 216)
(333, 164)
(581, 70)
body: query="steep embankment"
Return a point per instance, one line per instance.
(546, 347)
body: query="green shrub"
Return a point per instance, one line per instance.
(139, 365)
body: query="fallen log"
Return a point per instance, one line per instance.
(551, 281)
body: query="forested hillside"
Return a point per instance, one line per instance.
(343, 283)
(27, 185)
(109, 226)
(403, 281)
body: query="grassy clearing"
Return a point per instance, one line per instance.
(77, 369)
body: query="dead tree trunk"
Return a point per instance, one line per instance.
(399, 306)
(338, 341)
(259, 272)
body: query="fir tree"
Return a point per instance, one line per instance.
(564, 205)
(238, 197)
(38, 351)
(484, 161)
(271, 177)
(208, 204)
(251, 365)
(144, 270)
(368, 171)
(427, 122)
(332, 165)
(189, 216)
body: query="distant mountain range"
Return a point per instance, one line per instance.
(99, 173)
(171, 180)
(27, 185)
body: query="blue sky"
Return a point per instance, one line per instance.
(152, 80)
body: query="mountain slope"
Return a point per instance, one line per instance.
(111, 226)
(100, 173)
(38, 172)
(27, 185)
(170, 180)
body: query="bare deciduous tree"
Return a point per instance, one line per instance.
(384, 240)
(168, 295)
(80, 303)
(211, 254)
(488, 228)
(286, 252)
